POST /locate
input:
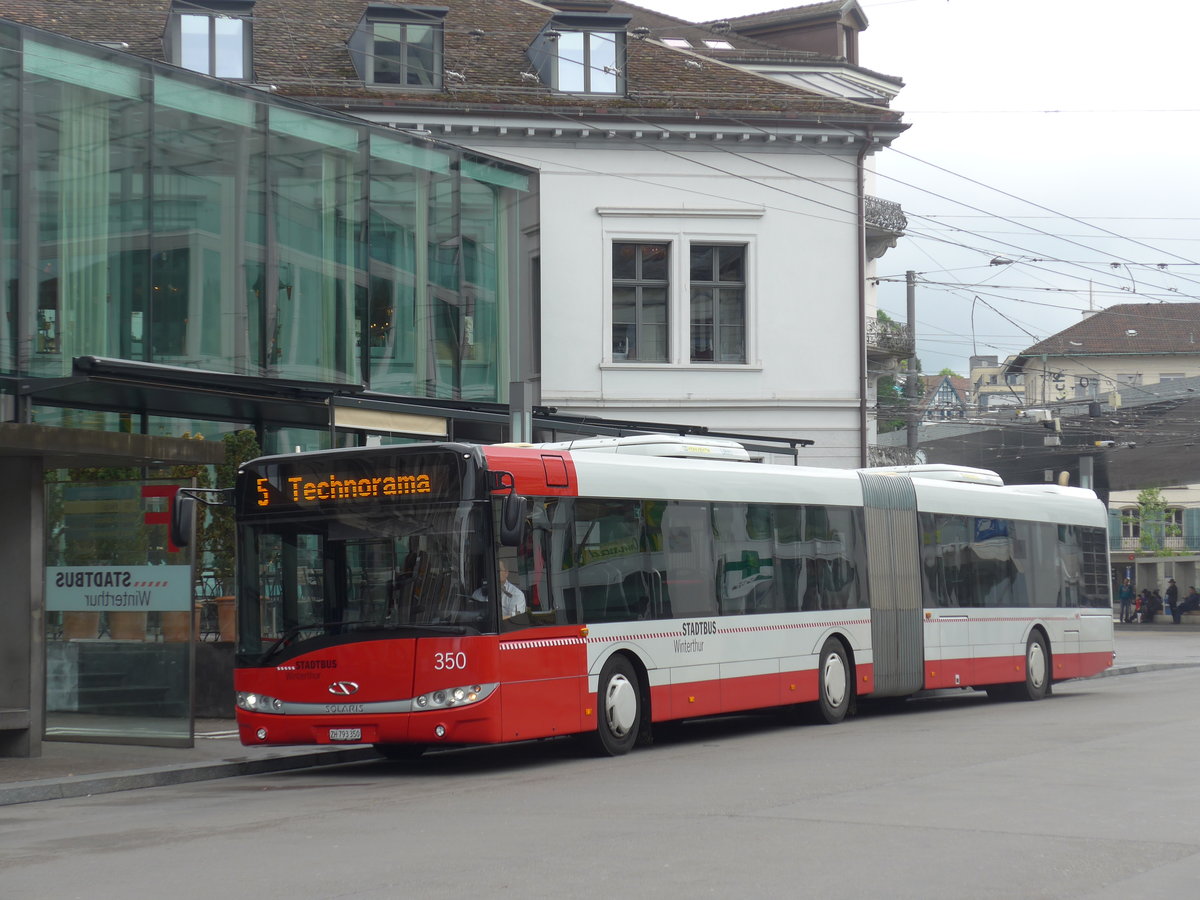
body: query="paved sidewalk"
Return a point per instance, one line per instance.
(71, 769)
(78, 769)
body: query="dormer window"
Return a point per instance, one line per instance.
(582, 54)
(400, 46)
(213, 38)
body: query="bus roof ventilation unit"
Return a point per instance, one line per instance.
(664, 445)
(944, 472)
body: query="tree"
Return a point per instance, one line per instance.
(891, 405)
(1153, 522)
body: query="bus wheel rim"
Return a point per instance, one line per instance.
(620, 705)
(1036, 664)
(835, 679)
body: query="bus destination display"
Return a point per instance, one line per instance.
(352, 483)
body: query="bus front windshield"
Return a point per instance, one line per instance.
(344, 577)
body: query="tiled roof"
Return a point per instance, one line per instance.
(1126, 329)
(931, 384)
(797, 14)
(300, 46)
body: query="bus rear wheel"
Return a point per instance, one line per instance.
(1037, 669)
(618, 708)
(835, 684)
(1037, 674)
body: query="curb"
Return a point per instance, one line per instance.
(86, 785)
(1143, 667)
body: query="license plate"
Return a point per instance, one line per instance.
(345, 734)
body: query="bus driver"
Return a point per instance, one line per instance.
(512, 600)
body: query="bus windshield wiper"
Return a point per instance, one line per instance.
(286, 638)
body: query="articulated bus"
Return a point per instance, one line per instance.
(446, 594)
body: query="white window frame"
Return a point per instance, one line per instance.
(680, 240)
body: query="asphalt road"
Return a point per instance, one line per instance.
(1092, 793)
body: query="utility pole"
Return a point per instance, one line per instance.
(910, 385)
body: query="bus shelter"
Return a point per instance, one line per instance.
(29, 506)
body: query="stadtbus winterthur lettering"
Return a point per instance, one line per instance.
(301, 489)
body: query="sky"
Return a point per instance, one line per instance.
(1062, 135)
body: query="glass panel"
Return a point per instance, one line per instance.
(572, 76)
(423, 67)
(205, 165)
(689, 571)
(732, 306)
(655, 259)
(702, 307)
(389, 53)
(702, 342)
(442, 313)
(91, 202)
(10, 198)
(732, 264)
(229, 48)
(396, 190)
(833, 547)
(484, 294)
(543, 568)
(315, 201)
(745, 560)
(702, 262)
(624, 261)
(366, 572)
(733, 344)
(624, 341)
(602, 68)
(654, 343)
(194, 43)
(654, 305)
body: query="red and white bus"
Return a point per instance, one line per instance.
(649, 579)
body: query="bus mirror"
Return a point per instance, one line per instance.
(183, 511)
(512, 521)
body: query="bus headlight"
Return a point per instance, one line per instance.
(259, 703)
(450, 697)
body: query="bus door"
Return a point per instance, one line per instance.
(543, 653)
(894, 582)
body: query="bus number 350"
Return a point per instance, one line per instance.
(450, 660)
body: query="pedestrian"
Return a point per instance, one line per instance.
(1172, 598)
(1190, 603)
(1125, 595)
(1151, 607)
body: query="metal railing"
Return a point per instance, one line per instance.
(885, 215)
(894, 338)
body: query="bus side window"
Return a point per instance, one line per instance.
(537, 568)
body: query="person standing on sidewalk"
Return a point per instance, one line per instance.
(1172, 598)
(1125, 595)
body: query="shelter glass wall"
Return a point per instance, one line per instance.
(10, 70)
(157, 216)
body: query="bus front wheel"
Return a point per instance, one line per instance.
(834, 682)
(618, 708)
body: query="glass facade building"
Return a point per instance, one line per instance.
(162, 217)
